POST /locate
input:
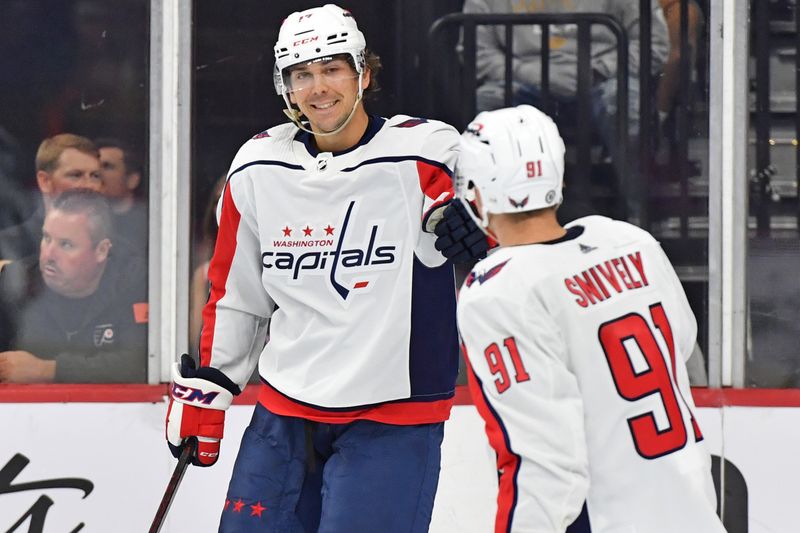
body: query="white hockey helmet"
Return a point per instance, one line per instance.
(515, 158)
(315, 33)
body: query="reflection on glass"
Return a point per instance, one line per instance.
(73, 115)
(773, 247)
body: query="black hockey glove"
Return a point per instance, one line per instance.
(458, 237)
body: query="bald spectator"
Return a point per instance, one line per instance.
(122, 170)
(63, 162)
(80, 313)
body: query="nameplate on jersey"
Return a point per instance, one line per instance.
(350, 253)
(603, 281)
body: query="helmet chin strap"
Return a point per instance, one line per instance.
(295, 114)
(484, 225)
(481, 219)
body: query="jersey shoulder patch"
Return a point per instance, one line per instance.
(410, 123)
(486, 275)
(279, 132)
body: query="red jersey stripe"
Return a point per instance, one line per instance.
(402, 413)
(434, 181)
(507, 461)
(218, 270)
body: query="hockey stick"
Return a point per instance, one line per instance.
(172, 486)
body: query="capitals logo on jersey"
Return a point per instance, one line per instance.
(350, 263)
(482, 277)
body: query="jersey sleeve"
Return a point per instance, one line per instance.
(435, 170)
(236, 317)
(532, 410)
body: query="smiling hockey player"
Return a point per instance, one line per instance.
(326, 239)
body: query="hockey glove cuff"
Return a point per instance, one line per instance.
(198, 400)
(458, 237)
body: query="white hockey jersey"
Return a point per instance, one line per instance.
(327, 251)
(577, 353)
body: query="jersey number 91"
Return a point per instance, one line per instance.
(650, 441)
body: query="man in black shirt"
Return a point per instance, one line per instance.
(81, 312)
(122, 171)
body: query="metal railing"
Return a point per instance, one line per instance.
(462, 91)
(765, 198)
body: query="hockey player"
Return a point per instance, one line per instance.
(325, 238)
(576, 338)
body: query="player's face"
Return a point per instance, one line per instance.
(70, 263)
(325, 91)
(114, 172)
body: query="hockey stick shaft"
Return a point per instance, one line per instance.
(172, 486)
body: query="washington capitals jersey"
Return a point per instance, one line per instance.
(328, 254)
(577, 353)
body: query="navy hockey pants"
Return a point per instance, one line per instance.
(361, 477)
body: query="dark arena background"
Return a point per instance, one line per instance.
(711, 169)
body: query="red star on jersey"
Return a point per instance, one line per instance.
(329, 230)
(237, 506)
(287, 231)
(257, 509)
(307, 231)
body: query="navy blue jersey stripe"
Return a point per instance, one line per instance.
(507, 440)
(433, 343)
(373, 127)
(266, 162)
(398, 159)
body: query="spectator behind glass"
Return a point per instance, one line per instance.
(669, 83)
(527, 65)
(63, 162)
(82, 314)
(527, 62)
(122, 171)
(198, 292)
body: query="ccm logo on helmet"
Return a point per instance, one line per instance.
(190, 394)
(306, 40)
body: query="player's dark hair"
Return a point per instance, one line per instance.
(373, 63)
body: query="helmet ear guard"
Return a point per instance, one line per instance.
(465, 193)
